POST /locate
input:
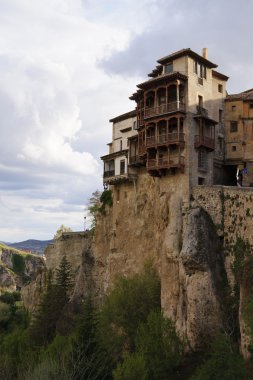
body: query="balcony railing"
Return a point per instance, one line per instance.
(204, 141)
(165, 139)
(165, 162)
(202, 111)
(109, 173)
(150, 140)
(164, 108)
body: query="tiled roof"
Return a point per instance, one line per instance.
(124, 116)
(186, 52)
(245, 95)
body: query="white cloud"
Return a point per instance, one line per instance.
(66, 68)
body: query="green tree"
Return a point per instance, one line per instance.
(42, 329)
(64, 279)
(60, 231)
(94, 207)
(88, 360)
(132, 368)
(223, 362)
(160, 346)
(127, 306)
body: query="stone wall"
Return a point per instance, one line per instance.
(231, 209)
(71, 244)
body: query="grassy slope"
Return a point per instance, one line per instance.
(17, 251)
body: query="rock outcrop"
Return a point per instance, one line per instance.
(153, 220)
(17, 268)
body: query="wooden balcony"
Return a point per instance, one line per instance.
(111, 179)
(204, 142)
(165, 162)
(135, 161)
(165, 139)
(163, 109)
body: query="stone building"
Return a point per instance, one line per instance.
(239, 137)
(179, 124)
(116, 168)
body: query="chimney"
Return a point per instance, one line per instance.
(205, 53)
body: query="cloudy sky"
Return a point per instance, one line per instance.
(66, 68)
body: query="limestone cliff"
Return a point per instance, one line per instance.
(186, 252)
(155, 219)
(17, 268)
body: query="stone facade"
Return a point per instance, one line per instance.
(116, 169)
(239, 132)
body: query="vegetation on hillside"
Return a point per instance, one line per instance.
(128, 338)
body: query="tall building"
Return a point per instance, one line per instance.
(179, 122)
(239, 137)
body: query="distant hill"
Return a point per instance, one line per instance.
(36, 246)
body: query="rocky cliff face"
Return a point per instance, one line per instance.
(18, 268)
(152, 219)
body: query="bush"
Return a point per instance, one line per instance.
(18, 263)
(160, 346)
(223, 362)
(132, 368)
(127, 306)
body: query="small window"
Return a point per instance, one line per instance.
(251, 105)
(120, 145)
(195, 67)
(134, 125)
(204, 71)
(233, 108)
(122, 166)
(220, 143)
(220, 116)
(200, 101)
(220, 88)
(169, 68)
(201, 181)
(202, 160)
(233, 148)
(233, 126)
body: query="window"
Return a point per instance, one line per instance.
(169, 68)
(251, 105)
(200, 101)
(122, 166)
(201, 181)
(120, 145)
(199, 69)
(220, 116)
(233, 108)
(202, 159)
(233, 148)
(134, 125)
(220, 143)
(220, 88)
(195, 68)
(233, 126)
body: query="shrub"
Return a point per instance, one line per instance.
(127, 306)
(223, 362)
(160, 346)
(132, 368)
